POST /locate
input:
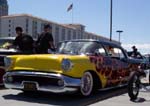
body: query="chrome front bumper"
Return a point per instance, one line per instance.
(64, 83)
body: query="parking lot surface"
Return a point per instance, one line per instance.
(114, 97)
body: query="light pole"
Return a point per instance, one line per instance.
(111, 6)
(119, 31)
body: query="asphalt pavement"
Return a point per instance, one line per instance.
(114, 97)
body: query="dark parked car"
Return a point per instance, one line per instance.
(4, 50)
(4, 46)
(145, 59)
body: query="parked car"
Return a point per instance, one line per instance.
(6, 49)
(145, 60)
(139, 79)
(4, 43)
(79, 65)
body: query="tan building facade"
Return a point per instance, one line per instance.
(34, 26)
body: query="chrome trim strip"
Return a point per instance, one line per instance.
(70, 84)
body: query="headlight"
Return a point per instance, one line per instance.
(66, 64)
(7, 77)
(7, 61)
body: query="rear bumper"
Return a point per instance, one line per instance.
(51, 83)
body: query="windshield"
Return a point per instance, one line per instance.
(5, 42)
(78, 47)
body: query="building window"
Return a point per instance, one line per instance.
(27, 23)
(79, 35)
(56, 35)
(69, 35)
(74, 34)
(26, 30)
(9, 34)
(63, 35)
(9, 21)
(34, 29)
(42, 26)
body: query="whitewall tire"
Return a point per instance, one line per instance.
(86, 87)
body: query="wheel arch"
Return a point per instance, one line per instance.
(96, 79)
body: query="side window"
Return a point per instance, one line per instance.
(119, 53)
(94, 48)
(114, 52)
(99, 50)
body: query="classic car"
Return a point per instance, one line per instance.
(4, 50)
(4, 46)
(79, 65)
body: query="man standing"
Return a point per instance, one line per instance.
(45, 41)
(135, 53)
(23, 41)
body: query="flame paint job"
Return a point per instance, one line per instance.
(113, 69)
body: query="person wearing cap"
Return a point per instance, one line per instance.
(45, 41)
(23, 42)
(135, 53)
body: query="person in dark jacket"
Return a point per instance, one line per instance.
(45, 41)
(135, 53)
(23, 42)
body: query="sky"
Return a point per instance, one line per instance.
(130, 16)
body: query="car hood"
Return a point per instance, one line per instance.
(46, 63)
(136, 61)
(10, 51)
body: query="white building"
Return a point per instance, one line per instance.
(34, 26)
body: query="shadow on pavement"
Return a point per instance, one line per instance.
(65, 99)
(138, 100)
(146, 89)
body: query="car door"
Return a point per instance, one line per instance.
(110, 64)
(116, 68)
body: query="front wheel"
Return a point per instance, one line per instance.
(133, 85)
(86, 87)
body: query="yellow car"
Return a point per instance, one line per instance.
(78, 65)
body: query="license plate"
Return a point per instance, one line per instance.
(31, 86)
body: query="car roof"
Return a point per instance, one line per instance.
(93, 40)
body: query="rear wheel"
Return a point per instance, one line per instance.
(133, 85)
(86, 87)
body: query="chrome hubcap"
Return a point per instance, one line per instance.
(135, 85)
